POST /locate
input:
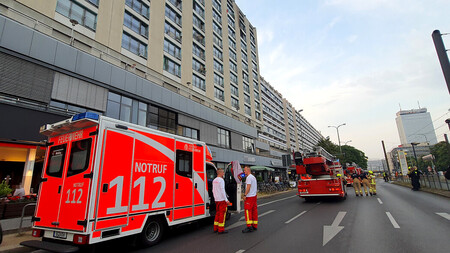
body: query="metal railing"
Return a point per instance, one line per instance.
(433, 181)
(23, 213)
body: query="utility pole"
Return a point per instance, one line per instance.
(385, 157)
(446, 141)
(414, 151)
(442, 55)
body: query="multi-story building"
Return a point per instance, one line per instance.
(307, 135)
(415, 126)
(188, 67)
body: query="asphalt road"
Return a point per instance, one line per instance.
(396, 220)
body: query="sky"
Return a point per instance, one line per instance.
(355, 62)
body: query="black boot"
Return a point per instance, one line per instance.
(247, 230)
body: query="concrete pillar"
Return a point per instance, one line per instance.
(28, 170)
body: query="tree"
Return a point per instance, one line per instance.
(349, 154)
(441, 155)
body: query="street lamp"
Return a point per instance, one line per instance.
(74, 23)
(426, 139)
(339, 139)
(345, 143)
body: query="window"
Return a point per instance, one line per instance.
(253, 48)
(230, 10)
(198, 82)
(244, 56)
(235, 103)
(256, 95)
(258, 115)
(232, 55)
(245, 66)
(223, 138)
(172, 49)
(56, 157)
(245, 76)
(231, 24)
(246, 98)
(233, 66)
(234, 90)
(184, 163)
(232, 43)
(72, 10)
(253, 57)
(246, 88)
(232, 33)
(198, 23)
(247, 145)
(172, 32)
(199, 10)
(248, 110)
(142, 114)
(188, 132)
(196, 50)
(94, 2)
(218, 93)
(217, 17)
(217, 28)
(233, 78)
(217, 5)
(172, 67)
(255, 68)
(161, 119)
(218, 66)
(257, 106)
(255, 84)
(79, 157)
(243, 45)
(252, 39)
(173, 15)
(199, 67)
(198, 37)
(135, 24)
(218, 80)
(176, 3)
(134, 45)
(126, 109)
(217, 41)
(139, 7)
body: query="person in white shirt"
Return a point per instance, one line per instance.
(220, 197)
(250, 206)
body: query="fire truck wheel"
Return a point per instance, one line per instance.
(152, 232)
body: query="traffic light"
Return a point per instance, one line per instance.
(442, 55)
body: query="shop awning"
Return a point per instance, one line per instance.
(261, 168)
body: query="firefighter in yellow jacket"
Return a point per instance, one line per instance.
(373, 184)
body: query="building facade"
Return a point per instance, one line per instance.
(188, 67)
(415, 126)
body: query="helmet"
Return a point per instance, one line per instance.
(339, 175)
(370, 172)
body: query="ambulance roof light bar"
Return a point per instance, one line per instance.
(78, 121)
(85, 115)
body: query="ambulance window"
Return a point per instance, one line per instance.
(79, 157)
(184, 163)
(211, 172)
(55, 163)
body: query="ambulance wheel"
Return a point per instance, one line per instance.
(152, 233)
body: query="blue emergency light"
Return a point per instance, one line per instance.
(85, 115)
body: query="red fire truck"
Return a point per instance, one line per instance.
(105, 179)
(324, 175)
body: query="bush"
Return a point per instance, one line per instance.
(4, 189)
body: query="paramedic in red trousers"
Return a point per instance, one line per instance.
(251, 211)
(222, 202)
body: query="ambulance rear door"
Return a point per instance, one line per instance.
(66, 181)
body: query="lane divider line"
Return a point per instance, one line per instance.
(295, 217)
(391, 218)
(445, 215)
(276, 201)
(379, 200)
(240, 251)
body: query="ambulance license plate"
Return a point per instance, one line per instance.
(60, 235)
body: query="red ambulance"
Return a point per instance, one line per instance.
(104, 179)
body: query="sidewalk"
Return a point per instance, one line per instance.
(425, 189)
(11, 242)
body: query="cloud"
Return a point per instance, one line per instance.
(352, 38)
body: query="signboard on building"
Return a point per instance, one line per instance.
(403, 162)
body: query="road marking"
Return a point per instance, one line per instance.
(379, 200)
(276, 200)
(241, 222)
(240, 251)
(295, 217)
(331, 231)
(445, 215)
(391, 218)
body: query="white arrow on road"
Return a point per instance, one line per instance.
(445, 215)
(331, 231)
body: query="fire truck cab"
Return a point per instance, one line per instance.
(105, 179)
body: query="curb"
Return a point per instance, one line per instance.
(443, 193)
